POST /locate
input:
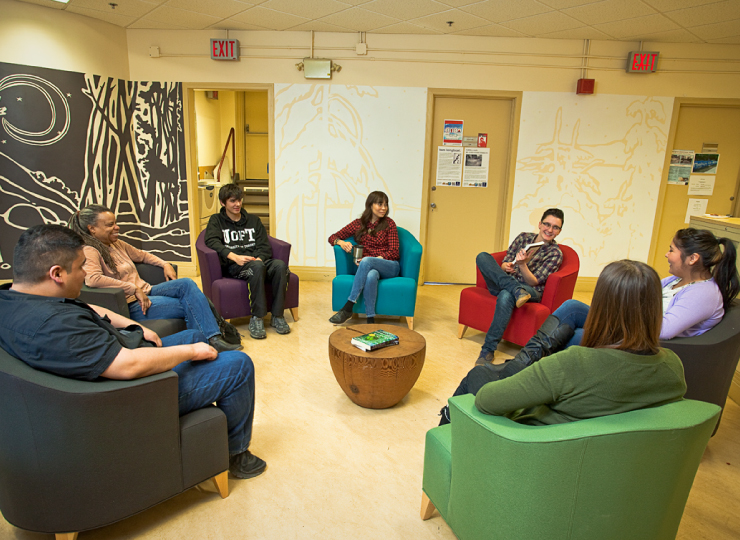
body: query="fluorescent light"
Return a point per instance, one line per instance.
(61, 1)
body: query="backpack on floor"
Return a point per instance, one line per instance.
(228, 330)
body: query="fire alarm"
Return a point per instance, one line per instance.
(585, 86)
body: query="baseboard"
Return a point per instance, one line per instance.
(585, 284)
(314, 273)
(735, 388)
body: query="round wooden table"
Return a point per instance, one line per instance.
(377, 379)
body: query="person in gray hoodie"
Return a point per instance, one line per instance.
(241, 242)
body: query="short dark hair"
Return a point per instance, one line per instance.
(554, 212)
(230, 191)
(41, 247)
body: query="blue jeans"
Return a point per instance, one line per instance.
(573, 313)
(505, 287)
(369, 272)
(178, 299)
(228, 380)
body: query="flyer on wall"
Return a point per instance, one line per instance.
(449, 166)
(475, 172)
(706, 163)
(678, 174)
(453, 133)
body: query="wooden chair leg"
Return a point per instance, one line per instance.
(66, 536)
(294, 313)
(427, 507)
(410, 322)
(461, 331)
(221, 481)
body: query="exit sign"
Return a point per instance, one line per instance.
(224, 49)
(642, 62)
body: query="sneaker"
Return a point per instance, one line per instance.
(340, 316)
(280, 326)
(522, 298)
(246, 465)
(484, 358)
(218, 343)
(257, 328)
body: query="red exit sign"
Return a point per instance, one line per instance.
(642, 62)
(225, 49)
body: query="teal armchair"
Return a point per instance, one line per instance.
(616, 477)
(396, 296)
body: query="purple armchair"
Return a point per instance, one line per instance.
(229, 295)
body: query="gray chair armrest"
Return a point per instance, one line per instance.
(153, 275)
(113, 299)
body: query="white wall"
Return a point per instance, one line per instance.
(39, 36)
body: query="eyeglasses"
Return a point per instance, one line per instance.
(547, 225)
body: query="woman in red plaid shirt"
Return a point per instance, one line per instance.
(377, 234)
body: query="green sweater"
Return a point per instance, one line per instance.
(580, 383)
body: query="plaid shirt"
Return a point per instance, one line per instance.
(546, 261)
(384, 244)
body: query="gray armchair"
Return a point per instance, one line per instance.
(114, 299)
(78, 455)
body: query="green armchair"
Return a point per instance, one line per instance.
(396, 296)
(615, 477)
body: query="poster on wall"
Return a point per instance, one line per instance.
(696, 207)
(449, 166)
(68, 140)
(475, 172)
(701, 185)
(680, 167)
(453, 133)
(706, 163)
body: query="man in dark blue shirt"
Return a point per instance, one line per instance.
(42, 324)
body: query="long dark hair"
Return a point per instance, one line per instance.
(89, 216)
(627, 309)
(720, 263)
(366, 217)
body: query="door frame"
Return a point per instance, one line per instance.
(504, 224)
(670, 143)
(188, 94)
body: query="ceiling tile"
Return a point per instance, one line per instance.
(545, 22)
(130, 8)
(47, 3)
(355, 2)
(673, 36)
(405, 9)
(181, 17)
(217, 8)
(268, 18)
(231, 24)
(460, 20)
(667, 5)
(584, 32)
(718, 30)
(107, 16)
(359, 20)
(405, 28)
(732, 40)
(491, 30)
(709, 14)
(609, 11)
(649, 24)
(310, 10)
(562, 4)
(457, 3)
(506, 10)
(319, 26)
(145, 23)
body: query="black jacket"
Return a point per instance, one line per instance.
(244, 237)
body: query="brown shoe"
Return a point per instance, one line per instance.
(522, 298)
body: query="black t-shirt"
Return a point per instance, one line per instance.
(58, 335)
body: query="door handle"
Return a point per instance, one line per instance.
(433, 205)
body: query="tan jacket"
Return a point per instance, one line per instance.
(99, 274)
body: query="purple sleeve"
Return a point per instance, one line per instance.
(698, 308)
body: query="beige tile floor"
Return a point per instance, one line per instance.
(337, 471)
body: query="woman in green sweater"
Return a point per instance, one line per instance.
(618, 367)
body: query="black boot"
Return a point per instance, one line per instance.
(550, 338)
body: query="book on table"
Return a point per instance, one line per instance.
(375, 340)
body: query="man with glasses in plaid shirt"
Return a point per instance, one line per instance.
(521, 277)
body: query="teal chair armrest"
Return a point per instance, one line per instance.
(343, 260)
(410, 254)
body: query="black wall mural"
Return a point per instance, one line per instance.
(72, 139)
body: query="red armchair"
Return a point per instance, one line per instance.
(477, 305)
(229, 295)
